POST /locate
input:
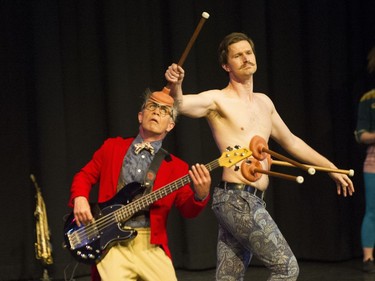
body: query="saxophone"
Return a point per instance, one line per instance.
(43, 249)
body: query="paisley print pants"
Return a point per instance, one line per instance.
(247, 229)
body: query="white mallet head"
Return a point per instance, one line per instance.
(311, 171)
(300, 179)
(205, 15)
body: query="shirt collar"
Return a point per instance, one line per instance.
(155, 144)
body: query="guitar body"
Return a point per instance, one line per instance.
(87, 243)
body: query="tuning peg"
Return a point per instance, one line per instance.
(237, 146)
(236, 168)
(229, 148)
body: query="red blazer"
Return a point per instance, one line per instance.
(105, 167)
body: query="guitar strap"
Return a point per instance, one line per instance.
(153, 169)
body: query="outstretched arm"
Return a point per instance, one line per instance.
(302, 151)
(307, 154)
(195, 106)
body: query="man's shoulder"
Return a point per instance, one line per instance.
(261, 95)
(212, 92)
(176, 158)
(370, 95)
(113, 141)
(264, 98)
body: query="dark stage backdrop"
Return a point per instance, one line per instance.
(73, 73)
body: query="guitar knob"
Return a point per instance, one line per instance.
(91, 256)
(83, 256)
(88, 247)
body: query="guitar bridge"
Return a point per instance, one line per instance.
(82, 236)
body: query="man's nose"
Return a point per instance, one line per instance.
(157, 110)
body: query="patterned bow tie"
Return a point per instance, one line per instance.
(143, 145)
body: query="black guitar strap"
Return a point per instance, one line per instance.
(153, 169)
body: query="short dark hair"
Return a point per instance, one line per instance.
(229, 40)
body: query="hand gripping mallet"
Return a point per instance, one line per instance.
(184, 55)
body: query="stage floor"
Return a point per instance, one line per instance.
(309, 271)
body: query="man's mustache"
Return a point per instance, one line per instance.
(247, 64)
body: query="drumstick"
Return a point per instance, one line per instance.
(197, 30)
(259, 148)
(298, 179)
(349, 172)
(251, 170)
(203, 19)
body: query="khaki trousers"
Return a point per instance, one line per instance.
(136, 260)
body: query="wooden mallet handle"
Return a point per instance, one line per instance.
(203, 19)
(184, 55)
(349, 172)
(259, 148)
(251, 169)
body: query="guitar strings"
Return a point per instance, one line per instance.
(92, 230)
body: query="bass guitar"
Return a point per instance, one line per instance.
(89, 243)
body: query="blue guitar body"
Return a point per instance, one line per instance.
(89, 243)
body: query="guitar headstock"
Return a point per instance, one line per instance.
(233, 156)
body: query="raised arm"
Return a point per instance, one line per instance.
(191, 105)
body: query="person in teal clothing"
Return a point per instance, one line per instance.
(365, 134)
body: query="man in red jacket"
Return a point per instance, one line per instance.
(119, 162)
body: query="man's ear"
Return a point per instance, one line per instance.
(170, 126)
(140, 117)
(225, 67)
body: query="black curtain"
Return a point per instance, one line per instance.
(73, 74)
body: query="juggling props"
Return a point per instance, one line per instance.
(252, 170)
(260, 149)
(349, 172)
(184, 55)
(203, 19)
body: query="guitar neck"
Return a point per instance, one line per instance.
(146, 200)
(78, 238)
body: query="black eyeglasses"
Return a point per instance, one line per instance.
(163, 109)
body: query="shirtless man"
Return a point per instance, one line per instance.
(235, 115)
